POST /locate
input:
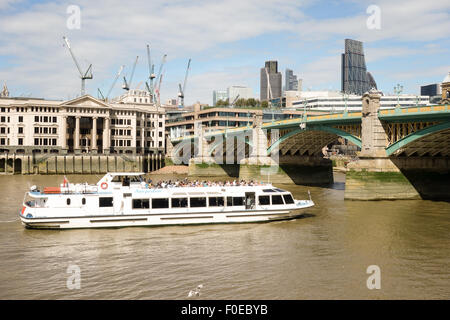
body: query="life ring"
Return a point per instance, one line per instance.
(104, 185)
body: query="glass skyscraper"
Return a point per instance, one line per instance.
(355, 78)
(291, 82)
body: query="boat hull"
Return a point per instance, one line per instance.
(144, 220)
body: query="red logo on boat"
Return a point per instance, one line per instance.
(104, 185)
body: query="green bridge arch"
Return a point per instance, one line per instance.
(338, 132)
(416, 135)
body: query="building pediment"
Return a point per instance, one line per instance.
(86, 101)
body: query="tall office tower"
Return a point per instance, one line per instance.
(270, 69)
(291, 83)
(355, 78)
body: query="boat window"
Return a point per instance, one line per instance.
(279, 190)
(141, 203)
(105, 202)
(216, 202)
(268, 190)
(198, 202)
(238, 201)
(276, 199)
(179, 202)
(135, 179)
(264, 200)
(229, 201)
(288, 198)
(68, 201)
(83, 201)
(160, 203)
(126, 181)
(116, 179)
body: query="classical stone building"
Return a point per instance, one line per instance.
(129, 124)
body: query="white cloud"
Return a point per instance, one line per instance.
(113, 32)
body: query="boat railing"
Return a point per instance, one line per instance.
(70, 189)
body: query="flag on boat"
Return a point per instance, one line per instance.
(65, 182)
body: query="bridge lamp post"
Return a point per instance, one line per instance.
(397, 90)
(345, 98)
(303, 123)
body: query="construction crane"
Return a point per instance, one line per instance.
(181, 91)
(84, 76)
(159, 77)
(151, 75)
(100, 94)
(234, 100)
(127, 85)
(269, 87)
(157, 90)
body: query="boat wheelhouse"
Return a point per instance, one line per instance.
(125, 199)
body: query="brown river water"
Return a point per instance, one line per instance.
(324, 255)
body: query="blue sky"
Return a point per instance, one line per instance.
(228, 42)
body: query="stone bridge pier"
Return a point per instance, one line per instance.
(377, 176)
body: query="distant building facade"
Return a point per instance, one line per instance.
(291, 82)
(354, 76)
(334, 101)
(239, 92)
(222, 117)
(82, 125)
(430, 90)
(274, 81)
(219, 95)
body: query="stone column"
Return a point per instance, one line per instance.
(94, 148)
(373, 137)
(106, 135)
(63, 134)
(258, 154)
(76, 139)
(143, 133)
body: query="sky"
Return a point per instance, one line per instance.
(405, 42)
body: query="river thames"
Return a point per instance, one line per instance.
(323, 255)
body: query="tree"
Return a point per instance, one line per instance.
(241, 102)
(222, 103)
(251, 102)
(264, 104)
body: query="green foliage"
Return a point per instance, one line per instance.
(222, 103)
(242, 103)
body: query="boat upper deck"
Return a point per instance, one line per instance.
(136, 183)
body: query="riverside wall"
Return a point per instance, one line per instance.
(78, 164)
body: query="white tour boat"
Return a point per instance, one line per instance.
(125, 199)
